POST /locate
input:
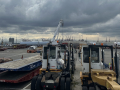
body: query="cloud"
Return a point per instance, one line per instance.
(109, 28)
(42, 16)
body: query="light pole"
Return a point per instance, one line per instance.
(16, 38)
(98, 36)
(81, 36)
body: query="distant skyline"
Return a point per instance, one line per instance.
(40, 39)
(35, 19)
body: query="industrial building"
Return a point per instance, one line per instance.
(11, 40)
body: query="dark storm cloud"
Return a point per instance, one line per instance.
(42, 16)
(110, 28)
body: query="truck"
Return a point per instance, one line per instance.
(55, 73)
(32, 49)
(94, 73)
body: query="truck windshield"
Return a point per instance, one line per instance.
(52, 53)
(95, 55)
(79, 55)
(45, 53)
(85, 55)
(30, 48)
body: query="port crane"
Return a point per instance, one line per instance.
(55, 73)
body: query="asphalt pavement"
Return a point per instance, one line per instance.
(16, 53)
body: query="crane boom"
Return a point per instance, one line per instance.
(60, 23)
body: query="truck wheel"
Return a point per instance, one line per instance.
(33, 83)
(68, 84)
(38, 83)
(96, 87)
(62, 83)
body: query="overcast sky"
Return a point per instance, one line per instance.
(39, 18)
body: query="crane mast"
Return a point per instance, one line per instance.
(56, 32)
